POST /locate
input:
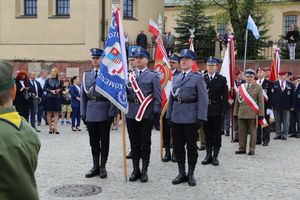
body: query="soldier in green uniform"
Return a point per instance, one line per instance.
(19, 144)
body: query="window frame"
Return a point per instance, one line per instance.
(288, 22)
(66, 4)
(33, 8)
(128, 9)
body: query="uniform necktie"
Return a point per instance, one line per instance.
(140, 72)
(210, 78)
(96, 73)
(282, 86)
(259, 82)
(248, 86)
(183, 76)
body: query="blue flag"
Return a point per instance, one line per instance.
(252, 26)
(112, 75)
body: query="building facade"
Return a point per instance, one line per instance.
(282, 14)
(41, 33)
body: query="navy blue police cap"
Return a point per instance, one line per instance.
(96, 52)
(174, 58)
(212, 61)
(141, 52)
(187, 53)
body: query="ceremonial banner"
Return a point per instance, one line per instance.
(275, 67)
(252, 27)
(112, 75)
(153, 28)
(162, 66)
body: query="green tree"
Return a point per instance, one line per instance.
(192, 17)
(238, 12)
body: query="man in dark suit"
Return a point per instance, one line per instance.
(37, 92)
(174, 62)
(283, 103)
(263, 134)
(297, 107)
(187, 111)
(217, 106)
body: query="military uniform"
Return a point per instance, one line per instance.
(140, 131)
(187, 111)
(19, 148)
(263, 134)
(97, 112)
(166, 125)
(247, 116)
(217, 106)
(235, 122)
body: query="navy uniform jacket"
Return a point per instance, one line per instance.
(149, 83)
(283, 100)
(192, 88)
(297, 99)
(74, 94)
(90, 106)
(217, 94)
(267, 86)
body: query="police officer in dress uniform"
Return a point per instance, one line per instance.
(19, 144)
(263, 134)
(140, 131)
(187, 111)
(246, 115)
(174, 62)
(97, 113)
(217, 107)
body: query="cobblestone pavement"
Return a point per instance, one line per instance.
(273, 173)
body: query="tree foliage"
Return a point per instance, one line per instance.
(192, 17)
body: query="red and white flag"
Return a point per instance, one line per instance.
(153, 28)
(228, 65)
(195, 66)
(162, 66)
(275, 66)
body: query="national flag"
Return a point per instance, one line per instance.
(163, 67)
(252, 27)
(153, 28)
(228, 65)
(111, 80)
(195, 66)
(275, 66)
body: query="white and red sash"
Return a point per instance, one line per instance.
(235, 88)
(143, 101)
(251, 102)
(266, 98)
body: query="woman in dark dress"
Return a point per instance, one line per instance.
(22, 99)
(53, 99)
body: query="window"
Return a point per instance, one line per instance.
(128, 8)
(221, 28)
(289, 19)
(63, 7)
(30, 8)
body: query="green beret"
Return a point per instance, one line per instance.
(6, 75)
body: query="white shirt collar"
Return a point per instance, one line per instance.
(187, 72)
(260, 81)
(212, 76)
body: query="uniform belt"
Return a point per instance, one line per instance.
(136, 101)
(97, 98)
(179, 100)
(214, 101)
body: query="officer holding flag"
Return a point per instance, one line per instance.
(144, 98)
(97, 112)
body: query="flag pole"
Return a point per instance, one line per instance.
(124, 147)
(161, 136)
(246, 43)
